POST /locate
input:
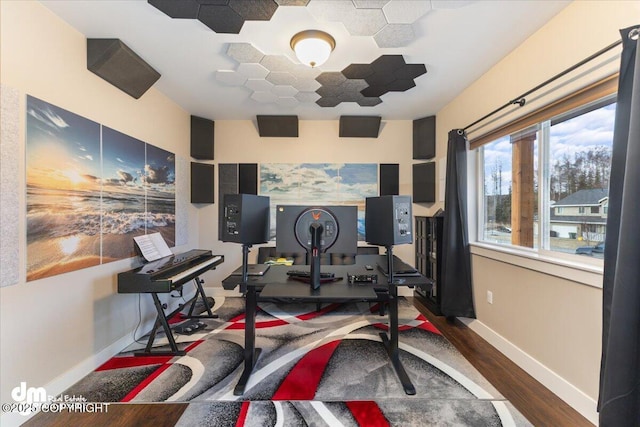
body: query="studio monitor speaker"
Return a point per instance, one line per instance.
(116, 63)
(388, 220)
(359, 126)
(246, 219)
(424, 138)
(278, 126)
(202, 138)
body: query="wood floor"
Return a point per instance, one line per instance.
(539, 405)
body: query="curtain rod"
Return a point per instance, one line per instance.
(520, 100)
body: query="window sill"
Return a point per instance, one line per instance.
(586, 274)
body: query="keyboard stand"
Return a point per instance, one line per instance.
(162, 319)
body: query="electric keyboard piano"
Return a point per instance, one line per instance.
(166, 275)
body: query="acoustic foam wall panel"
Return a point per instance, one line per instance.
(424, 182)
(116, 63)
(424, 138)
(278, 126)
(9, 185)
(389, 178)
(359, 126)
(183, 197)
(202, 138)
(248, 178)
(227, 184)
(202, 182)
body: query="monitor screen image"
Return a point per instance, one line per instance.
(339, 228)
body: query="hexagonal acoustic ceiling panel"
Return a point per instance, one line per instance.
(277, 79)
(231, 59)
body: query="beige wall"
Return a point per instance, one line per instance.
(59, 326)
(552, 324)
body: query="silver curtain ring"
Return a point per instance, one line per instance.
(634, 33)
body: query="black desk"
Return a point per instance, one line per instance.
(276, 284)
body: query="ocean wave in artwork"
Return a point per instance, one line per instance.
(46, 225)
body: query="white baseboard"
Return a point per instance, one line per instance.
(574, 397)
(72, 376)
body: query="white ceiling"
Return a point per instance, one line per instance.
(457, 41)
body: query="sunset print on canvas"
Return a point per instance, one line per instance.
(123, 193)
(90, 190)
(160, 180)
(63, 190)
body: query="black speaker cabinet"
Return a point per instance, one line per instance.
(424, 182)
(246, 219)
(116, 63)
(389, 177)
(202, 182)
(278, 126)
(424, 138)
(202, 138)
(227, 184)
(388, 220)
(359, 126)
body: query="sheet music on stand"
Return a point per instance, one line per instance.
(152, 246)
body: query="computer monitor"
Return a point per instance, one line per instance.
(339, 223)
(316, 229)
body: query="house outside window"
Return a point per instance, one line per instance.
(545, 188)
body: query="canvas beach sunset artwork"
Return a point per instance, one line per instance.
(123, 193)
(91, 190)
(160, 181)
(63, 190)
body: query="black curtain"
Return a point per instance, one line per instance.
(619, 400)
(456, 291)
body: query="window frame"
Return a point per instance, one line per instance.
(539, 252)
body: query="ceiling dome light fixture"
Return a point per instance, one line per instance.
(312, 47)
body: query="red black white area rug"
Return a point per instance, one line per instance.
(317, 368)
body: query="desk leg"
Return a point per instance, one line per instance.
(391, 342)
(251, 353)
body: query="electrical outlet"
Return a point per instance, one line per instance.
(490, 297)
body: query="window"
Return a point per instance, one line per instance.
(542, 186)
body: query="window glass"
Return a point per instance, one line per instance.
(546, 187)
(510, 206)
(580, 165)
